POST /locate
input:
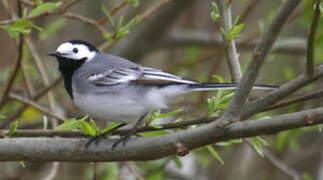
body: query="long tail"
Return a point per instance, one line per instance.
(225, 86)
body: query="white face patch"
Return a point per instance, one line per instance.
(75, 51)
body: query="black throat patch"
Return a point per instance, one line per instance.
(67, 67)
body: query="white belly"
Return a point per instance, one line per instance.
(111, 109)
(125, 109)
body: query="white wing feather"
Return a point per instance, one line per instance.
(144, 75)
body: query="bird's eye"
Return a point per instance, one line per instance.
(75, 50)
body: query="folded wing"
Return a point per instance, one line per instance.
(138, 75)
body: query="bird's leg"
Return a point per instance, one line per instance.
(96, 139)
(126, 137)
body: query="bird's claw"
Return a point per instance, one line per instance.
(95, 139)
(122, 140)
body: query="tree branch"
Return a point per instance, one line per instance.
(60, 10)
(259, 56)
(123, 131)
(276, 95)
(183, 37)
(148, 148)
(311, 39)
(298, 99)
(230, 45)
(13, 74)
(38, 95)
(36, 106)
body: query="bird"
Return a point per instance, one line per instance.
(114, 89)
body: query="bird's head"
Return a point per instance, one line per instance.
(72, 54)
(75, 50)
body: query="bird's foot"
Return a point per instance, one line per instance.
(97, 139)
(124, 139)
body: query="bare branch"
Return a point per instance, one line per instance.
(35, 105)
(123, 131)
(298, 99)
(18, 60)
(259, 56)
(184, 37)
(230, 45)
(148, 148)
(281, 165)
(38, 95)
(43, 74)
(114, 11)
(252, 5)
(91, 22)
(13, 74)
(58, 11)
(275, 96)
(311, 39)
(153, 24)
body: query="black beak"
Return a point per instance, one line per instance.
(55, 54)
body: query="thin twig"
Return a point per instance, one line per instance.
(277, 95)
(77, 133)
(230, 45)
(17, 62)
(27, 82)
(281, 165)
(134, 170)
(259, 55)
(311, 39)
(252, 5)
(202, 38)
(142, 18)
(58, 11)
(298, 99)
(91, 22)
(152, 9)
(13, 74)
(37, 96)
(36, 106)
(114, 11)
(43, 74)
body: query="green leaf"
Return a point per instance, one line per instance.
(215, 12)
(108, 15)
(22, 164)
(2, 116)
(70, 124)
(123, 30)
(44, 7)
(45, 122)
(88, 128)
(134, 3)
(107, 36)
(21, 26)
(230, 142)
(110, 126)
(154, 133)
(258, 144)
(214, 154)
(13, 128)
(233, 32)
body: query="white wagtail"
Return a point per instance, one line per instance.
(114, 89)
